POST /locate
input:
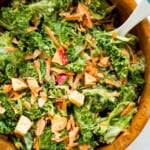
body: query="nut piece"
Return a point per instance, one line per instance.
(56, 58)
(89, 79)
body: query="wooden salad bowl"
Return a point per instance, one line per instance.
(124, 8)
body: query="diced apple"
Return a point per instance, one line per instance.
(76, 98)
(18, 84)
(23, 125)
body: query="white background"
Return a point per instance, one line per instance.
(142, 142)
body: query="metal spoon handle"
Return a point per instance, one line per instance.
(141, 11)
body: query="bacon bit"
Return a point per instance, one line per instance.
(40, 125)
(7, 88)
(33, 85)
(61, 104)
(112, 83)
(2, 110)
(76, 81)
(127, 109)
(84, 147)
(31, 29)
(37, 68)
(104, 62)
(36, 144)
(15, 41)
(60, 79)
(52, 37)
(10, 49)
(42, 99)
(15, 95)
(48, 66)
(58, 123)
(91, 68)
(63, 55)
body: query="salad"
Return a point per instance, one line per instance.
(66, 82)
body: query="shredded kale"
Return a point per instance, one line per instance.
(72, 56)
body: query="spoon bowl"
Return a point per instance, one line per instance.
(141, 11)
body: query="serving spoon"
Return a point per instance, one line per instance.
(141, 11)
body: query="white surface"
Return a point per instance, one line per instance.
(142, 142)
